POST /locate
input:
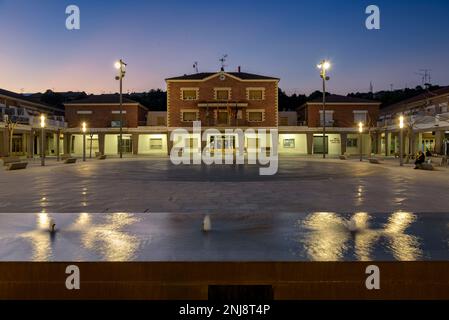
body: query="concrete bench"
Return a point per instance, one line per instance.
(8, 160)
(440, 161)
(374, 160)
(342, 157)
(16, 165)
(70, 160)
(425, 166)
(101, 157)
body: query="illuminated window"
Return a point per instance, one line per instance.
(352, 142)
(360, 116)
(189, 94)
(256, 94)
(156, 144)
(255, 116)
(289, 143)
(191, 143)
(222, 94)
(189, 116)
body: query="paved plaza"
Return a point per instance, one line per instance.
(147, 209)
(156, 185)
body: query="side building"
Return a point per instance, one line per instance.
(342, 117)
(426, 124)
(20, 129)
(101, 113)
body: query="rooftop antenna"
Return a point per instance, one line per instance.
(195, 66)
(222, 61)
(425, 77)
(371, 87)
(391, 87)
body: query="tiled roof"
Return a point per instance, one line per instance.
(240, 75)
(24, 98)
(335, 98)
(102, 99)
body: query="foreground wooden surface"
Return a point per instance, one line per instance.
(191, 280)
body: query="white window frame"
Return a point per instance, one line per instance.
(83, 112)
(253, 89)
(229, 90)
(150, 145)
(118, 112)
(255, 110)
(197, 90)
(358, 112)
(327, 112)
(189, 111)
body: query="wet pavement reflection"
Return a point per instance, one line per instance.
(317, 236)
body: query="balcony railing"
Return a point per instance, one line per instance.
(329, 123)
(49, 122)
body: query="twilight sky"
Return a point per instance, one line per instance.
(160, 39)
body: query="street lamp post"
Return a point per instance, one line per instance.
(401, 140)
(42, 140)
(120, 66)
(361, 140)
(83, 129)
(323, 66)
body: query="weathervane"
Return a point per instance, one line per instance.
(222, 61)
(195, 66)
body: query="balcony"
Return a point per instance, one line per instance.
(15, 119)
(329, 123)
(51, 121)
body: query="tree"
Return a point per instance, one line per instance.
(11, 123)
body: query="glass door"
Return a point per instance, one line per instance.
(318, 145)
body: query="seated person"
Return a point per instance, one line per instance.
(428, 153)
(420, 159)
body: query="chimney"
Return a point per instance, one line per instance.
(239, 69)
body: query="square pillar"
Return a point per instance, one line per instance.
(309, 143)
(30, 144)
(439, 140)
(387, 143)
(58, 145)
(101, 137)
(170, 143)
(343, 139)
(5, 143)
(378, 147)
(135, 137)
(67, 142)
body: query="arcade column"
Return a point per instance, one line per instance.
(101, 137)
(309, 143)
(344, 139)
(135, 137)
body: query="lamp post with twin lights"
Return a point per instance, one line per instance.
(361, 140)
(120, 66)
(401, 140)
(83, 129)
(323, 66)
(42, 140)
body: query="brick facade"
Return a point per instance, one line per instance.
(343, 114)
(206, 94)
(102, 115)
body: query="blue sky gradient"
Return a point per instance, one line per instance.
(160, 39)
